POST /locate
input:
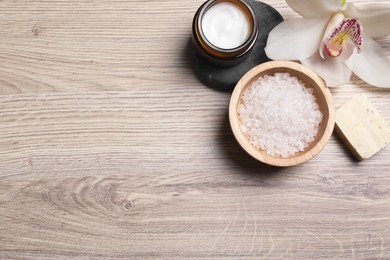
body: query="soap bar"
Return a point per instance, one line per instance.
(361, 127)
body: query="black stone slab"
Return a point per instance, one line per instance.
(225, 79)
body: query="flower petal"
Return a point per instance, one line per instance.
(315, 8)
(295, 39)
(374, 17)
(348, 30)
(371, 64)
(333, 22)
(348, 48)
(334, 72)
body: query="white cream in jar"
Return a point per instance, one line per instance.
(226, 25)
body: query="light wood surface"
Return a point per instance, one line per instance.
(311, 80)
(111, 148)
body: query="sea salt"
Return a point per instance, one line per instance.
(279, 115)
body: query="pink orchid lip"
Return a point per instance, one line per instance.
(349, 29)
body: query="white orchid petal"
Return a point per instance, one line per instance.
(333, 22)
(348, 48)
(334, 72)
(295, 39)
(321, 49)
(371, 64)
(315, 8)
(374, 17)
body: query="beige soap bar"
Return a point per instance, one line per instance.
(361, 127)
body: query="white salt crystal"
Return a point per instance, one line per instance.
(279, 114)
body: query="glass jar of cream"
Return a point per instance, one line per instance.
(224, 31)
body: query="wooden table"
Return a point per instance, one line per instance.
(112, 148)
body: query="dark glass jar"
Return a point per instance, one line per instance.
(223, 56)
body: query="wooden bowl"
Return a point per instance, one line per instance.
(311, 80)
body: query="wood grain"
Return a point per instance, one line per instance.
(111, 148)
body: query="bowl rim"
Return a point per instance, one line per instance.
(242, 139)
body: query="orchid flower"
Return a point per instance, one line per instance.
(334, 39)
